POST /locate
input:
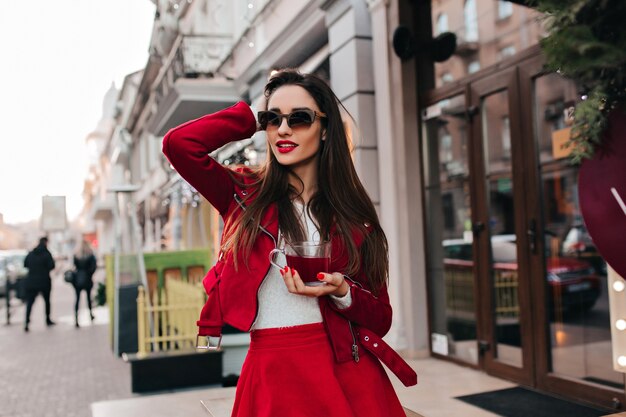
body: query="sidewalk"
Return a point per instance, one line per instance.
(57, 371)
(62, 371)
(439, 383)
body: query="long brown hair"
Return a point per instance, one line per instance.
(340, 197)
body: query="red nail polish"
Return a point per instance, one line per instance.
(293, 271)
(282, 272)
(320, 276)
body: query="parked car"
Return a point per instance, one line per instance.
(578, 244)
(11, 267)
(573, 283)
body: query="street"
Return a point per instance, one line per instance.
(58, 371)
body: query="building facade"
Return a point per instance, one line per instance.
(490, 266)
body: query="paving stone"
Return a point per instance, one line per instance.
(58, 371)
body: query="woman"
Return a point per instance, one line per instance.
(85, 263)
(313, 349)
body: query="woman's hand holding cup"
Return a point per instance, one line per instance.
(332, 284)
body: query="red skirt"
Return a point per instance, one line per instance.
(291, 372)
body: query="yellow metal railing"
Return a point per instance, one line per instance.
(506, 295)
(172, 324)
(459, 282)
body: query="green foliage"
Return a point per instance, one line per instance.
(587, 43)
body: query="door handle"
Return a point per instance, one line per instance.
(477, 227)
(532, 236)
(483, 347)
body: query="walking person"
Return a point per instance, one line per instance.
(315, 349)
(39, 262)
(85, 264)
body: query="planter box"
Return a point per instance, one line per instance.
(172, 370)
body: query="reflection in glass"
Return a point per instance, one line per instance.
(501, 211)
(450, 271)
(580, 335)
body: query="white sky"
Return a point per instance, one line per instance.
(59, 58)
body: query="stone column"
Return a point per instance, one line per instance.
(400, 192)
(351, 76)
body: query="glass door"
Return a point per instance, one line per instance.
(451, 272)
(499, 228)
(573, 327)
(478, 280)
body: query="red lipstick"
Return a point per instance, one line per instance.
(285, 146)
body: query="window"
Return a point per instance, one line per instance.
(447, 203)
(446, 78)
(442, 24)
(505, 9)
(473, 67)
(506, 137)
(507, 51)
(445, 147)
(471, 21)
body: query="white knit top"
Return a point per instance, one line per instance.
(277, 306)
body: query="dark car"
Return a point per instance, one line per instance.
(573, 283)
(11, 268)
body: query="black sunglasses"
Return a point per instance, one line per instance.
(297, 118)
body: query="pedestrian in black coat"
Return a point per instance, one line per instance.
(39, 262)
(85, 263)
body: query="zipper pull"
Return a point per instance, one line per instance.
(355, 352)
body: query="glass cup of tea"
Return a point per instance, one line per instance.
(308, 258)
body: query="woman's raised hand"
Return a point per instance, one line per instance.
(334, 284)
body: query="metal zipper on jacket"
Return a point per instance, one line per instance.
(355, 347)
(256, 315)
(243, 207)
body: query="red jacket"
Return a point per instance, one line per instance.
(232, 294)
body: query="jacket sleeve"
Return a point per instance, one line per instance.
(188, 145)
(367, 310)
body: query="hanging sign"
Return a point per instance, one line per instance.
(53, 216)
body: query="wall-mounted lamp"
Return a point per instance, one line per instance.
(438, 49)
